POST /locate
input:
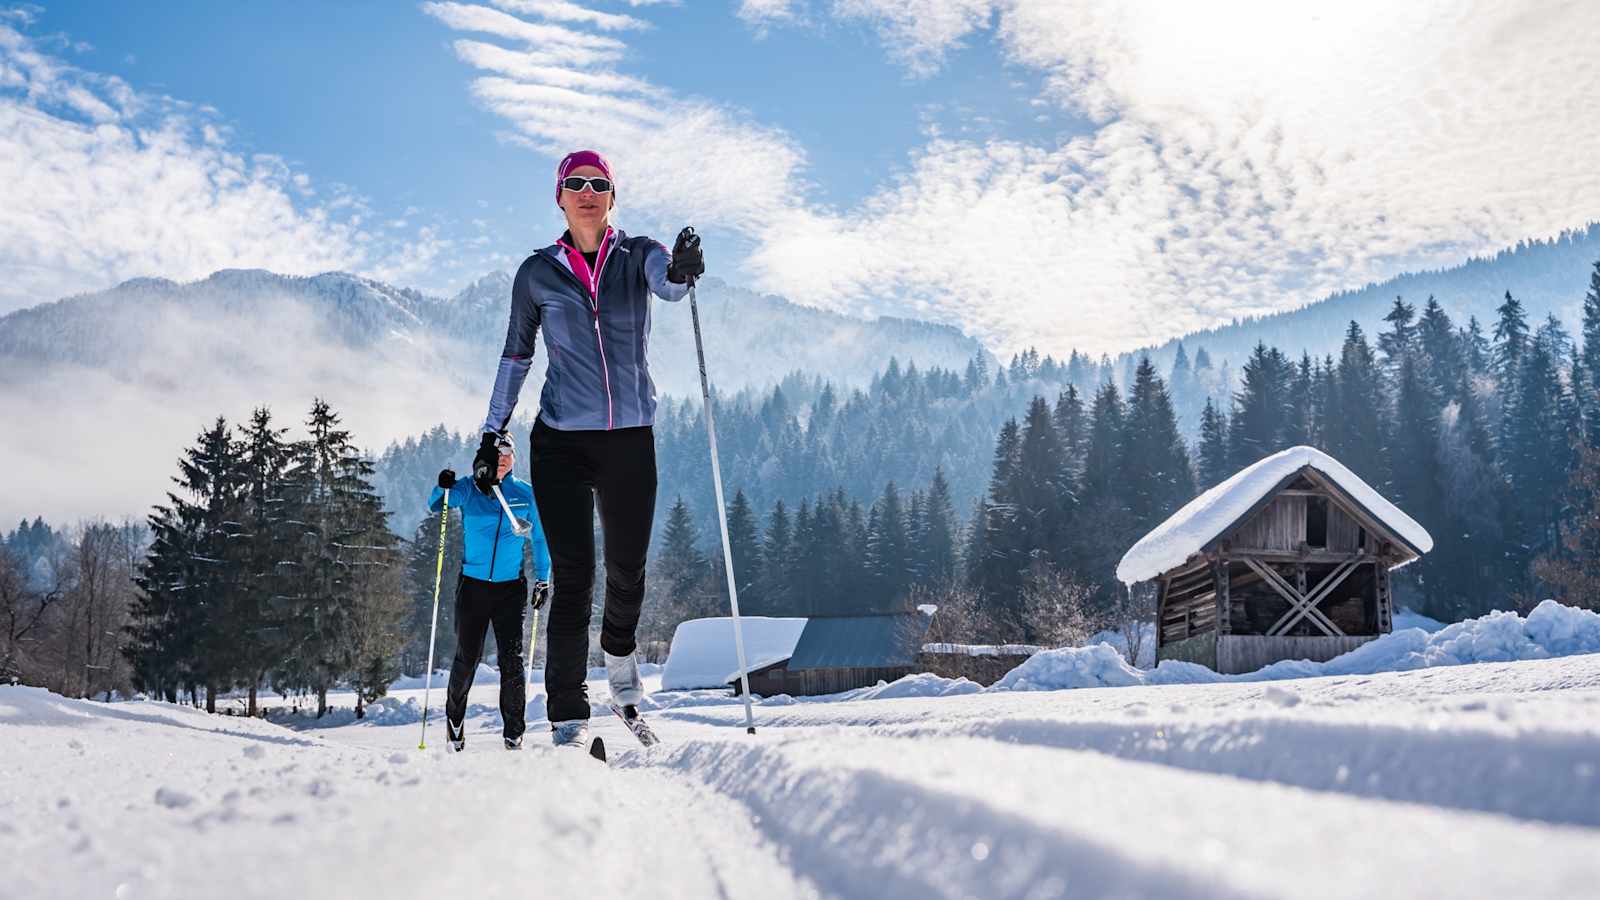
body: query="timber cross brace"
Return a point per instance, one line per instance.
(1301, 603)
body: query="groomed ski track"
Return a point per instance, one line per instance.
(1467, 781)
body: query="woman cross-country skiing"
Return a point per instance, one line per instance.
(592, 442)
(492, 589)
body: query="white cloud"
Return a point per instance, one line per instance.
(554, 42)
(692, 159)
(1246, 156)
(920, 32)
(770, 12)
(1251, 156)
(563, 11)
(103, 184)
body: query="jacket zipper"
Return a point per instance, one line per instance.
(594, 308)
(594, 290)
(499, 517)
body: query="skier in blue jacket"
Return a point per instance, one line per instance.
(593, 449)
(492, 590)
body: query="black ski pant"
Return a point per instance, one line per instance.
(478, 605)
(571, 471)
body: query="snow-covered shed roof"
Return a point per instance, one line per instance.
(703, 653)
(1208, 516)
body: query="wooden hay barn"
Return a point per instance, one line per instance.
(1288, 559)
(840, 653)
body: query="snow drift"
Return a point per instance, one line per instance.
(1551, 630)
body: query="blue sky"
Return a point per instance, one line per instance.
(1066, 173)
(369, 94)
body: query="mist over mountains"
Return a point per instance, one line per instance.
(1548, 276)
(101, 391)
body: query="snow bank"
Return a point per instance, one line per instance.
(1204, 517)
(703, 656)
(983, 649)
(1550, 630)
(920, 685)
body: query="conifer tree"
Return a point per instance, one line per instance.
(266, 551)
(1260, 412)
(681, 567)
(745, 542)
(938, 541)
(1156, 464)
(1214, 467)
(776, 552)
(1356, 425)
(344, 546)
(182, 632)
(1589, 387)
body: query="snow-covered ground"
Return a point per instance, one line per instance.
(1473, 780)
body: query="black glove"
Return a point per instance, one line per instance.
(687, 261)
(486, 465)
(447, 478)
(541, 593)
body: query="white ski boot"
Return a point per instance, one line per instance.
(623, 674)
(456, 734)
(574, 733)
(571, 733)
(626, 691)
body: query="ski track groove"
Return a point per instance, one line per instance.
(1492, 765)
(856, 809)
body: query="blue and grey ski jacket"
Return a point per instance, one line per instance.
(596, 334)
(493, 551)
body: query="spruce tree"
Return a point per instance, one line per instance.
(1072, 428)
(681, 567)
(1535, 444)
(266, 552)
(1003, 557)
(1356, 425)
(1261, 407)
(1042, 502)
(1214, 467)
(776, 552)
(1300, 409)
(344, 551)
(1510, 339)
(1156, 463)
(745, 543)
(1442, 350)
(1414, 454)
(938, 543)
(183, 634)
(1105, 446)
(1400, 339)
(1589, 387)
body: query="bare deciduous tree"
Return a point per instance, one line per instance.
(1055, 608)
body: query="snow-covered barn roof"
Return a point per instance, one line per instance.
(1206, 517)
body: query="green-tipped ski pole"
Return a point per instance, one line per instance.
(433, 631)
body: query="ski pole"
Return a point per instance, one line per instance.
(722, 514)
(520, 526)
(533, 644)
(433, 632)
